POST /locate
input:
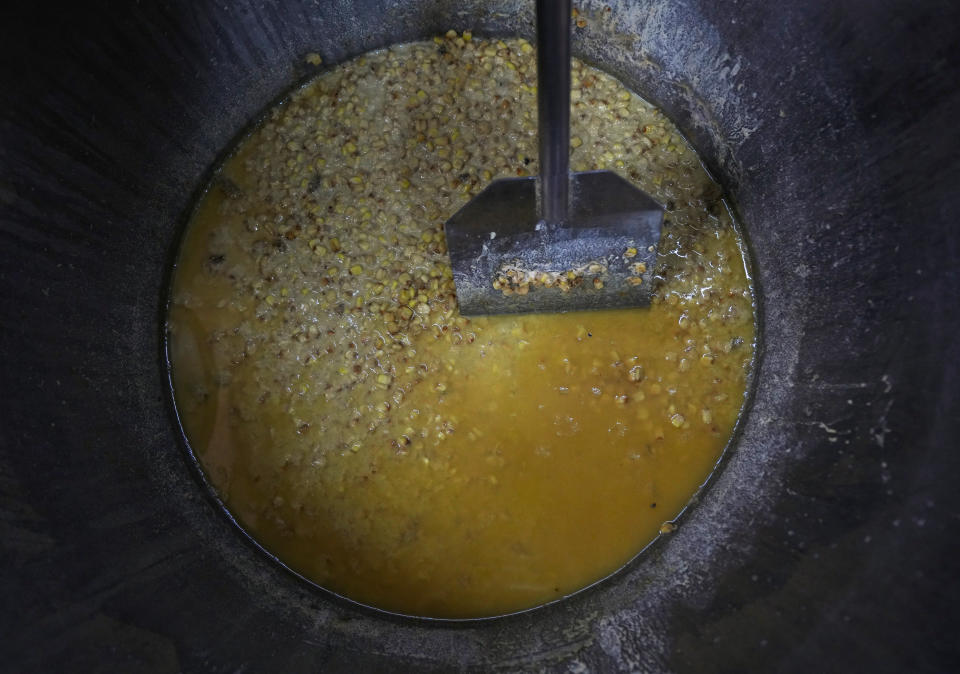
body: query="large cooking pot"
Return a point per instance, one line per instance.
(828, 539)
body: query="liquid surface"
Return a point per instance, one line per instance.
(384, 446)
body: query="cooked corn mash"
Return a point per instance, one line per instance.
(389, 449)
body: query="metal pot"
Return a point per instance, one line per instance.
(826, 541)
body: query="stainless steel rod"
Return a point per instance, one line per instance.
(553, 103)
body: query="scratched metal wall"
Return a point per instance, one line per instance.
(826, 542)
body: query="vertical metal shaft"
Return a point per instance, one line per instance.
(553, 103)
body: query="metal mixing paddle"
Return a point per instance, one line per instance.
(560, 241)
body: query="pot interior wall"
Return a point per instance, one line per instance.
(824, 135)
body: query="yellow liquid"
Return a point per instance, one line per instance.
(430, 464)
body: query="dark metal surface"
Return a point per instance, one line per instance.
(558, 222)
(553, 107)
(827, 542)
